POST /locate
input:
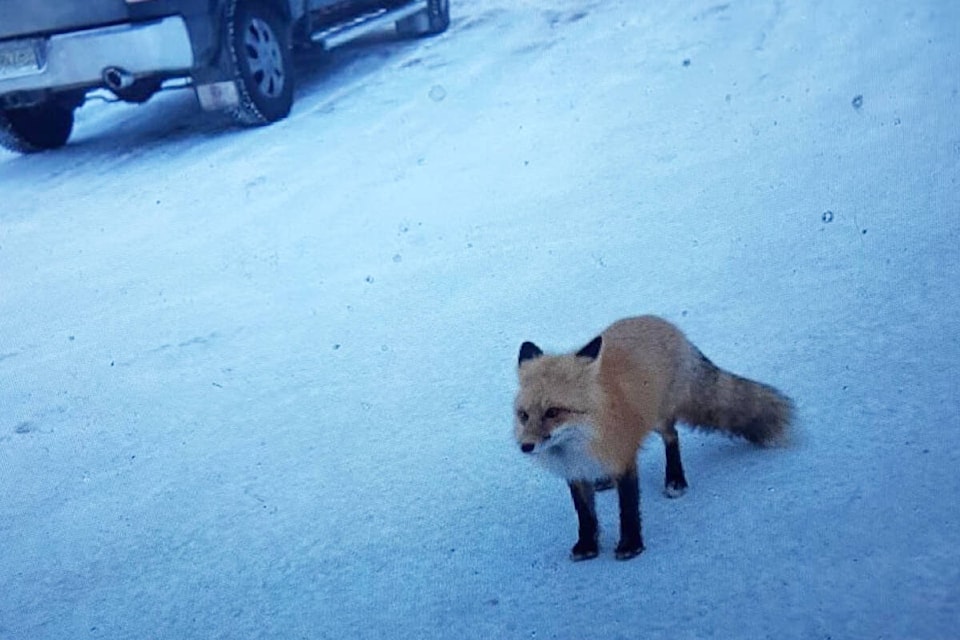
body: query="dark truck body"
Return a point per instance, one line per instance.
(235, 53)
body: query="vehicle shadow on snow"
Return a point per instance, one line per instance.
(174, 118)
(324, 78)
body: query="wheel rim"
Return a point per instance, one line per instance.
(264, 58)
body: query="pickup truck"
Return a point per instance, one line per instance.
(236, 54)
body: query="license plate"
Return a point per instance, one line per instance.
(21, 58)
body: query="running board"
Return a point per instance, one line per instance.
(344, 32)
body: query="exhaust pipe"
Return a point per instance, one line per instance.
(117, 79)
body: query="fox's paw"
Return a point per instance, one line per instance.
(629, 549)
(675, 488)
(584, 550)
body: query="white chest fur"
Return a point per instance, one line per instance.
(568, 454)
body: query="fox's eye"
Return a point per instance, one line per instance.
(552, 413)
(523, 416)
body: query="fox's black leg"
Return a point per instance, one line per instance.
(674, 483)
(628, 492)
(586, 547)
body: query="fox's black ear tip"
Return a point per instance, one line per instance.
(528, 351)
(592, 350)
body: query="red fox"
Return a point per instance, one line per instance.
(584, 416)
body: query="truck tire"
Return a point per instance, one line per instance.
(44, 126)
(258, 50)
(431, 21)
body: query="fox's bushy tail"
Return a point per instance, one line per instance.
(723, 401)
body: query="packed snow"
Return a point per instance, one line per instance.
(257, 383)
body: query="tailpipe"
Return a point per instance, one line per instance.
(117, 79)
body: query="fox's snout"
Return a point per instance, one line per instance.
(529, 446)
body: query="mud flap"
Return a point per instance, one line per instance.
(218, 96)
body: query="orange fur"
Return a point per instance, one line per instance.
(647, 377)
(585, 415)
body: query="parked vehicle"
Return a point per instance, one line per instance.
(236, 54)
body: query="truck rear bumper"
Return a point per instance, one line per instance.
(78, 59)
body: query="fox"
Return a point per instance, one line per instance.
(583, 416)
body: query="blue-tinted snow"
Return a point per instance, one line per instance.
(257, 384)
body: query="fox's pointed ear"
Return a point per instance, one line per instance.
(592, 350)
(528, 351)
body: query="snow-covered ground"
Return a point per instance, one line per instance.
(258, 383)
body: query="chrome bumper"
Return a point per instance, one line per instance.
(78, 59)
